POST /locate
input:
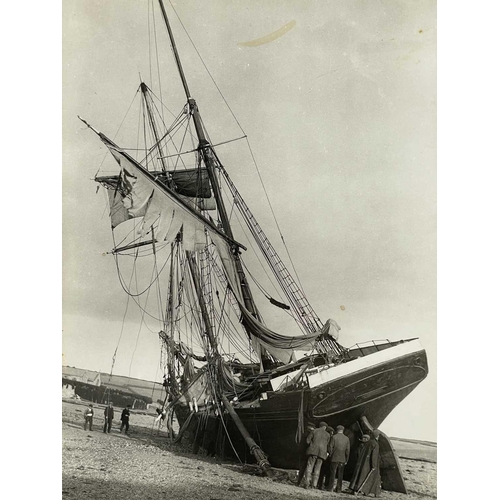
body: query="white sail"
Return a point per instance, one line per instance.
(143, 198)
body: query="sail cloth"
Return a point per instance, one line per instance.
(118, 212)
(142, 198)
(118, 202)
(334, 328)
(280, 346)
(192, 182)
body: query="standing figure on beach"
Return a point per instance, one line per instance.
(316, 452)
(325, 467)
(302, 453)
(125, 418)
(366, 477)
(109, 414)
(89, 417)
(339, 449)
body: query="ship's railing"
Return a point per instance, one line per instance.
(369, 346)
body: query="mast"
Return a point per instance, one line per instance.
(171, 317)
(255, 449)
(174, 48)
(144, 90)
(208, 158)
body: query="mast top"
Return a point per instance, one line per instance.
(203, 142)
(174, 48)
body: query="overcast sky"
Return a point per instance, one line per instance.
(340, 112)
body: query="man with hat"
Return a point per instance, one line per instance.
(338, 450)
(125, 419)
(109, 414)
(302, 452)
(89, 417)
(325, 468)
(366, 476)
(316, 452)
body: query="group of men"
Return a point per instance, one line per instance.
(325, 453)
(109, 414)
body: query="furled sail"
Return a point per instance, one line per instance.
(192, 182)
(280, 346)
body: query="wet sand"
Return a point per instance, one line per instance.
(145, 465)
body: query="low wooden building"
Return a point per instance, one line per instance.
(122, 391)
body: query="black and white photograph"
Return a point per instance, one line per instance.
(249, 249)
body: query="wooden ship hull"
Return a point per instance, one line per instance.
(365, 389)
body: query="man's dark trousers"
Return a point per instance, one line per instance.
(334, 467)
(88, 421)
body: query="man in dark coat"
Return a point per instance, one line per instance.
(325, 467)
(339, 449)
(89, 417)
(109, 414)
(302, 453)
(316, 452)
(125, 418)
(366, 477)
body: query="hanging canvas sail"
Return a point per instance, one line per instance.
(145, 199)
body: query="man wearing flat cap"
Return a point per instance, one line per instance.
(338, 456)
(316, 452)
(302, 453)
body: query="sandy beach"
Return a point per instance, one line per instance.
(146, 465)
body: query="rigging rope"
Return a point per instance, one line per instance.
(273, 301)
(245, 230)
(206, 68)
(120, 337)
(156, 49)
(274, 215)
(128, 291)
(149, 41)
(140, 324)
(107, 151)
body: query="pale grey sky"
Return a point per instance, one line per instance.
(341, 115)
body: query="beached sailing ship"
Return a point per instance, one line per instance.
(235, 385)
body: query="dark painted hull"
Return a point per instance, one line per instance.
(372, 392)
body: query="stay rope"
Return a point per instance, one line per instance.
(117, 132)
